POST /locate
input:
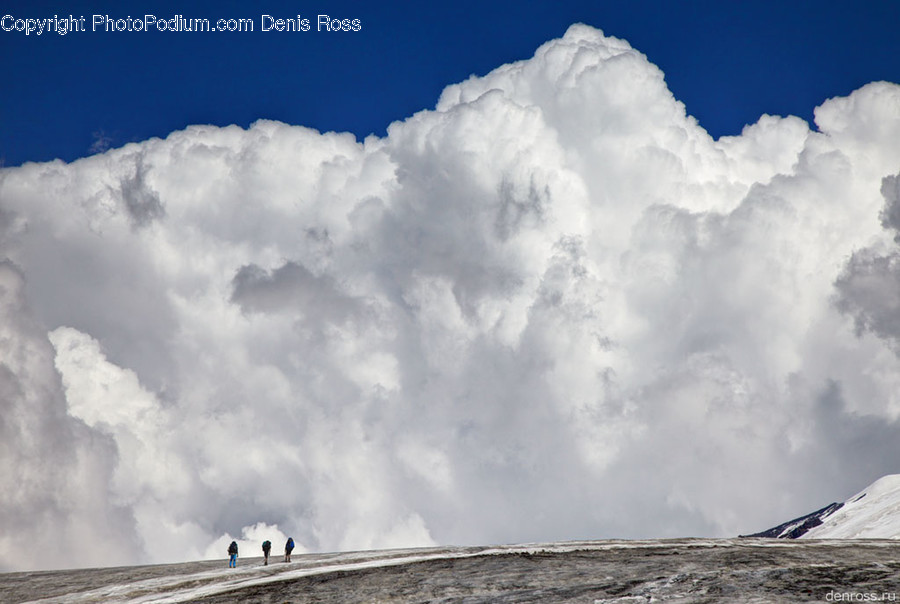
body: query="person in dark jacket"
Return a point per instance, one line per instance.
(267, 547)
(232, 553)
(288, 548)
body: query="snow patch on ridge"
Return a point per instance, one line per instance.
(873, 513)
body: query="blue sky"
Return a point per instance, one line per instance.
(728, 62)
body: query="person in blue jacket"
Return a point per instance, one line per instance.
(288, 548)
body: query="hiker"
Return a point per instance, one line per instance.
(288, 547)
(267, 547)
(232, 553)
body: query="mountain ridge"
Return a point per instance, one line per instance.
(873, 513)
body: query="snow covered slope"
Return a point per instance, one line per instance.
(873, 513)
(671, 571)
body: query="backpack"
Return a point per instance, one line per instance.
(290, 544)
(267, 545)
(232, 549)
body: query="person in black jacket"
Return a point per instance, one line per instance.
(232, 553)
(267, 547)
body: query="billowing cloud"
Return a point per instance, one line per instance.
(56, 502)
(552, 307)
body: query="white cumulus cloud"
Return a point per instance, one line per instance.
(552, 307)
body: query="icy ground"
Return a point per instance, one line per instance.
(684, 571)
